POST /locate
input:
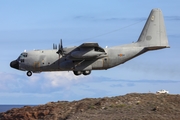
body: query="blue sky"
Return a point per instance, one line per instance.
(27, 25)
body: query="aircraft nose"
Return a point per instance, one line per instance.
(14, 64)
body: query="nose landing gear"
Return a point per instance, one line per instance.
(29, 73)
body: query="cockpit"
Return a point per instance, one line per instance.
(24, 54)
(22, 57)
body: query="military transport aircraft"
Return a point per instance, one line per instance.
(90, 56)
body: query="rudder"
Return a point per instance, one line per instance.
(154, 32)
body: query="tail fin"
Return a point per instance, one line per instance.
(153, 34)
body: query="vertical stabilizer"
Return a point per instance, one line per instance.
(154, 32)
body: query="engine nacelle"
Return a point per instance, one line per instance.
(86, 54)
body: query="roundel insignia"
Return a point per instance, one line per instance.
(152, 17)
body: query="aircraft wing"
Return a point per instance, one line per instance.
(88, 51)
(92, 45)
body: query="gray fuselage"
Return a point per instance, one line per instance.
(49, 60)
(90, 56)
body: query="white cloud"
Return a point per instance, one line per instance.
(5, 76)
(54, 86)
(4, 79)
(34, 78)
(47, 82)
(61, 79)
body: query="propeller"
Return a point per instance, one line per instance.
(54, 46)
(60, 49)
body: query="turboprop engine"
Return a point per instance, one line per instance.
(86, 54)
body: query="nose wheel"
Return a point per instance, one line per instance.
(29, 73)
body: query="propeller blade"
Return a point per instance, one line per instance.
(60, 49)
(61, 45)
(54, 46)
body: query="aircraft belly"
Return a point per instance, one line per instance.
(121, 55)
(47, 61)
(66, 65)
(50, 64)
(76, 65)
(98, 64)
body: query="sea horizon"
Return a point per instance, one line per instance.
(4, 108)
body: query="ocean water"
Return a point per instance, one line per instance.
(4, 108)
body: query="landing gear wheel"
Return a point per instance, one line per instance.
(87, 72)
(29, 73)
(77, 72)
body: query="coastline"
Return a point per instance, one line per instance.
(4, 108)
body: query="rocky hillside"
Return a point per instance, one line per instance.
(128, 107)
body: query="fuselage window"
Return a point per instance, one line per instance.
(22, 60)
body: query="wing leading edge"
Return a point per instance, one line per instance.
(92, 45)
(88, 51)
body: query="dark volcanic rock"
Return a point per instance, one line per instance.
(128, 107)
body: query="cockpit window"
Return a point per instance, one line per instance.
(24, 54)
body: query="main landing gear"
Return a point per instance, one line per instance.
(29, 73)
(87, 72)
